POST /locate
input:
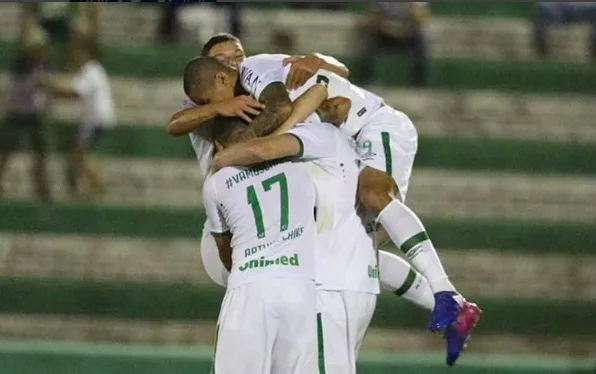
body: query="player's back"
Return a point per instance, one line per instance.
(345, 258)
(269, 210)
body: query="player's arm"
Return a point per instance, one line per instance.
(224, 247)
(257, 150)
(312, 141)
(188, 120)
(305, 67)
(304, 106)
(334, 65)
(219, 229)
(60, 89)
(278, 108)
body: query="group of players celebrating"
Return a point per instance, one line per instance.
(306, 176)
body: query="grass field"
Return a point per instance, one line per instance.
(52, 357)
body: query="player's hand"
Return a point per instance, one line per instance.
(239, 106)
(335, 110)
(303, 68)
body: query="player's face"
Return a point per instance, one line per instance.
(230, 53)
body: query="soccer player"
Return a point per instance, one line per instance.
(388, 143)
(263, 223)
(346, 260)
(398, 276)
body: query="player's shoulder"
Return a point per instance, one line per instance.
(266, 56)
(93, 67)
(263, 61)
(317, 128)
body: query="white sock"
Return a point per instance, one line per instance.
(408, 234)
(397, 276)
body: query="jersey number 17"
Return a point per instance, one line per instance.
(253, 201)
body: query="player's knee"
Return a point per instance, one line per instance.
(376, 190)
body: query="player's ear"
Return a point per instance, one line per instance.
(221, 78)
(218, 146)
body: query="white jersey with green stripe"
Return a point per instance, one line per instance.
(346, 259)
(269, 210)
(257, 72)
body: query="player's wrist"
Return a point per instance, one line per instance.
(218, 108)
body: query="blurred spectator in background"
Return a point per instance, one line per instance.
(56, 19)
(24, 105)
(201, 20)
(398, 26)
(283, 42)
(168, 29)
(556, 13)
(91, 85)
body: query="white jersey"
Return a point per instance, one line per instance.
(257, 72)
(269, 210)
(92, 84)
(200, 142)
(346, 259)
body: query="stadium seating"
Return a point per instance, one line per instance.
(504, 180)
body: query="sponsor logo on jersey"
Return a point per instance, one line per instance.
(373, 272)
(368, 155)
(361, 112)
(292, 260)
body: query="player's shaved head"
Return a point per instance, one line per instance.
(200, 74)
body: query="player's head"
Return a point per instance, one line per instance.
(82, 48)
(225, 130)
(83, 44)
(207, 80)
(226, 48)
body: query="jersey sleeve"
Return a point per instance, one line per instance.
(336, 85)
(187, 103)
(255, 76)
(83, 82)
(316, 140)
(212, 208)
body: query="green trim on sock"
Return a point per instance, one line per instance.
(413, 241)
(321, 344)
(387, 151)
(407, 283)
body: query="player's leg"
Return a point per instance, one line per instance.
(335, 354)
(245, 331)
(388, 146)
(360, 307)
(397, 276)
(210, 256)
(296, 347)
(89, 168)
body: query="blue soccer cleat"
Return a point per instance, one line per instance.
(456, 319)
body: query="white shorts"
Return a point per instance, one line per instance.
(210, 256)
(268, 326)
(344, 318)
(388, 142)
